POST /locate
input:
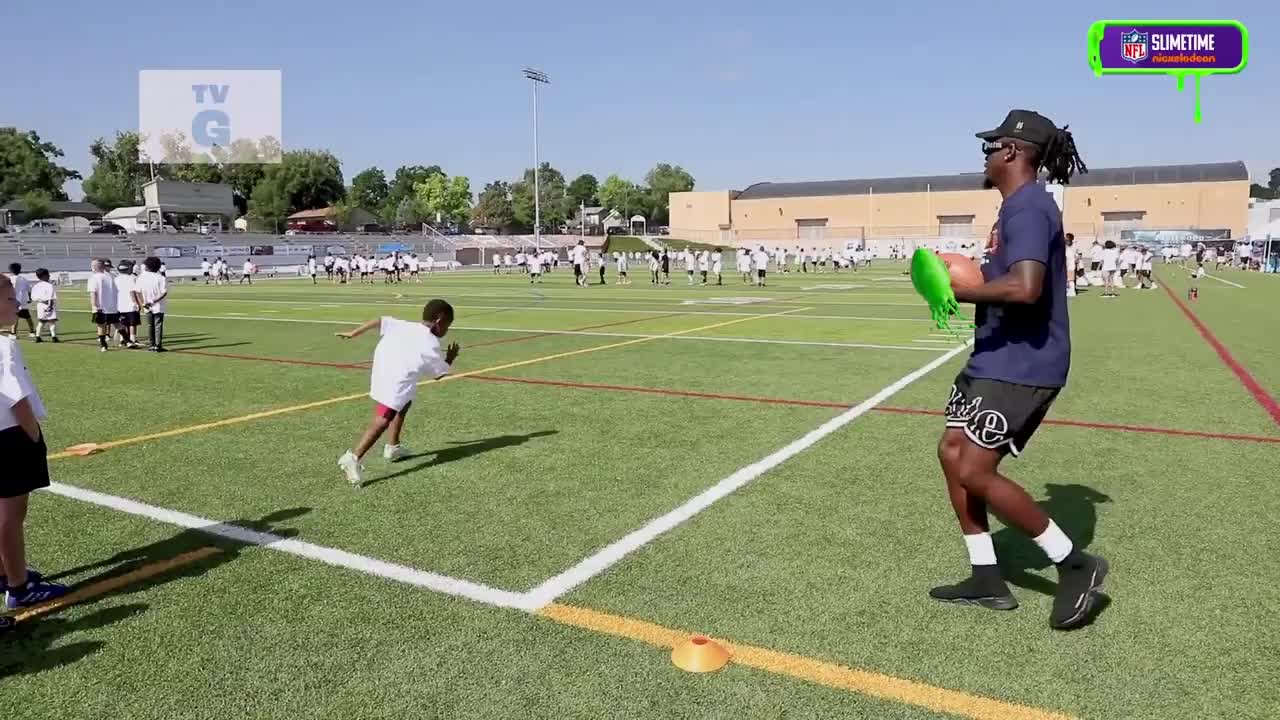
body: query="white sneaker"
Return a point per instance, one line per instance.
(350, 464)
(392, 453)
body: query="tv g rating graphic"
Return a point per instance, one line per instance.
(1181, 48)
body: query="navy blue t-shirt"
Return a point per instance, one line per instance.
(1026, 344)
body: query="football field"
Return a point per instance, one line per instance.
(612, 469)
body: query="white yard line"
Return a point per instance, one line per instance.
(327, 555)
(929, 340)
(373, 307)
(1223, 280)
(554, 587)
(536, 331)
(676, 302)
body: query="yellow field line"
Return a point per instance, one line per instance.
(873, 684)
(114, 583)
(332, 401)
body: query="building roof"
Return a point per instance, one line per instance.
(315, 214)
(1137, 175)
(62, 207)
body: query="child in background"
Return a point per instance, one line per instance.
(22, 289)
(405, 353)
(26, 466)
(45, 297)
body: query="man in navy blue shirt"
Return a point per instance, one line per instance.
(1021, 355)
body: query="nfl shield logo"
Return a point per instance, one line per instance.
(1133, 46)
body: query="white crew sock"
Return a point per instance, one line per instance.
(1054, 542)
(981, 550)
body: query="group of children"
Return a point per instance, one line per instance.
(117, 298)
(394, 267)
(1110, 265)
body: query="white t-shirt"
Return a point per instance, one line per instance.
(497, 260)
(248, 267)
(413, 264)
(45, 297)
(704, 261)
(152, 286)
(653, 264)
(744, 263)
(328, 261)
(124, 294)
(104, 287)
(579, 255)
(15, 383)
(1110, 259)
(717, 262)
(430, 262)
(311, 266)
(407, 351)
(622, 263)
(21, 289)
(205, 267)
(760, 259)
(535, 265)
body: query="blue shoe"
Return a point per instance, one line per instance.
(31, 575)
(33, 593)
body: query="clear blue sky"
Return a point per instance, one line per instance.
(735, 92)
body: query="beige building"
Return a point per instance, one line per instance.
(1104, 202)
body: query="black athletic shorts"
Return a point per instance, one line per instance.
(998, 415)
(131, 319)
(26, 463)
(760, 274)
(102, 318)
(24, 314)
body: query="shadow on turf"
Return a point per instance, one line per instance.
(29, 648)
(460, 451)
(1074, 508)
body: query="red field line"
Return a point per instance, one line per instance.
(1259, 393)
(1118, 427)
(659, 391)
(522, 338)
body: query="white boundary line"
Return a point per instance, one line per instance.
(535, 331)
(584, 333)
(327, 555)
(655, 313)
(1222, 280)
(554, 587)
(675, 302)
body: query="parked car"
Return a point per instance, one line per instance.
(319, 226)
(108, 228)
(372, 228)
(48, 226)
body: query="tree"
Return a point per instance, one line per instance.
(369, 190)
(663, 180)
(269, 205)
(622, 195)
(583, 189)
(401, 205)
(555, 205)
(36, 204)
(309, 179)
(341, 212)
(1273, 180)
(117, 177)
(493, 208)
(27, 164)
(448, 199)
(1261, 192)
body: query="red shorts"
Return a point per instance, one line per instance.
(389, 413)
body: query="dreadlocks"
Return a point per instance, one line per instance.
(1059, 157)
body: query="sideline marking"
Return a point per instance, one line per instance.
(818, 672)
(554, 587)
(1224, 280)
(447, 378)
(102, 587)
(1259, 394)
(330, 556)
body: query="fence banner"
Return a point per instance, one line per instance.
(262, 250)
(294, 249)
(335, 250)
(166, 252)
(214, 250)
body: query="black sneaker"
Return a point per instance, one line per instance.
(1080, 578)
(987, 590)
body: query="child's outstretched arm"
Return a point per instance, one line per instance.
(360, 330)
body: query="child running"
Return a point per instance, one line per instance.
(45, 297)
(405, 353)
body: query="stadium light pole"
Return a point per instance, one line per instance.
(539, 78)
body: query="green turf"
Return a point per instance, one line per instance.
(826, 556)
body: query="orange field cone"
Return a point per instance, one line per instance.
(699, 654)
(84, 449)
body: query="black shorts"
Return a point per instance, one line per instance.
(26, 463)
(998, 415)
(24, 314)
(577, 270)
(101, 318)
(760, 274)
(131, 319)
(1095, 266)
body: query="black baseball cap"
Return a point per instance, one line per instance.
(1025, 125)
